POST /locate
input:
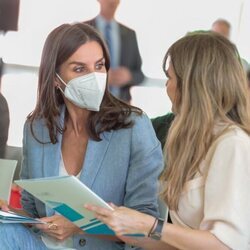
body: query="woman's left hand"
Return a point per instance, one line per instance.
(123, 220)
(58, 227)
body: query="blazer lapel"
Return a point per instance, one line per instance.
(95, 154)
(51, 158)
(52, 152)
(123, 40)
(52, 155)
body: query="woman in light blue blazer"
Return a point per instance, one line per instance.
(78, 128)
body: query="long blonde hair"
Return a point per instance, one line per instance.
(211, 86)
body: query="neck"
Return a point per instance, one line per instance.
(77, 120)
(108, 16)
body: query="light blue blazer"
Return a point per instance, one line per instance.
(122, 168)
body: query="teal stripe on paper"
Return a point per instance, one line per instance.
(94, 219)
(101, 229)
(68, 212)
(65, 210)
(90, 224)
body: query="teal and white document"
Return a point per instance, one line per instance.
(11, 217)
(67, 196)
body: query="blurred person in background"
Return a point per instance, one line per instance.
(223, 27)
(248, 77)
(125, 59)
(4, 118)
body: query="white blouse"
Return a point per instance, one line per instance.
(52, 243)
(218, 198)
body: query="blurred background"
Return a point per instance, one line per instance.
(158, 23)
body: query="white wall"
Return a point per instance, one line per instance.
(158, 24)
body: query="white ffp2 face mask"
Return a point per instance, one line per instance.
(86, 91)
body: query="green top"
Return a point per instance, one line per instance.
(161, 126)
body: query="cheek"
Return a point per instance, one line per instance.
(171, 91)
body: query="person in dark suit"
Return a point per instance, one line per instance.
(4, 124)
(123, 47)
(4, 120)
(223, 27)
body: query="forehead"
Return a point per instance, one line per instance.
(88, 52)
(222, 28)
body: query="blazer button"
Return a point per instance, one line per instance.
(82, 242)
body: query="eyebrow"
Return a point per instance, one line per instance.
(81, 63)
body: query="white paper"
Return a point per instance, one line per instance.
(67, 196)
(11, 217)
(7, 170)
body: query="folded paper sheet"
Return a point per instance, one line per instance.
(67, 196)
(10, 217)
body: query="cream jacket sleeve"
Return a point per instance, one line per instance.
(227, 192)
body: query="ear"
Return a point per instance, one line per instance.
(56, 82)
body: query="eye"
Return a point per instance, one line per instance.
(79, 69)
(99, 66)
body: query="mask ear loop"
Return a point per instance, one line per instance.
(62, 81)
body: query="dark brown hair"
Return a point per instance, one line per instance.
(60, 44)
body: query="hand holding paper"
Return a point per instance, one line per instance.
(58, 227)
(4, 205)
(124, 221)
(70, 202)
